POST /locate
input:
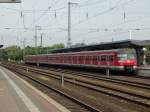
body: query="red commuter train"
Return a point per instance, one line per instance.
(118, 59)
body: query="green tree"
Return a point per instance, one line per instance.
(41, 50)
(14, 53)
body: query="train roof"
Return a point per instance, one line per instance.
(113, 50)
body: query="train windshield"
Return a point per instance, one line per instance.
(130, 56)
(123, 57)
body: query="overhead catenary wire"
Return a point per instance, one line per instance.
(103, 12)
(22, 16)
(43, 14)
(57, 14)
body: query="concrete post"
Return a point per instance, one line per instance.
(107, 70)
(38, 64)
(27, 69)
(62, 80)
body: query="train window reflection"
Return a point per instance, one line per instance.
(123, 57)
(131, 56)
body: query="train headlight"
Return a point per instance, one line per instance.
(128, 61)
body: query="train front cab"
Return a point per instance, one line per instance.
(127, 61)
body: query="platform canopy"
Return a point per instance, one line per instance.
(10, 1)
(107, 46)
(1, 46)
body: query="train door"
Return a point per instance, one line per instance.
(49, 59)
(77, 62)
(60, 59)
(63, 58)
(103, 60)
(99, 59)
(108, 60)
(57, 59)
(95, 60)
(111, 60)
(44, 59)
(80, 60)
(76, 59)
(86, 60)
(73, 60)
(68, 59)
(90, 60)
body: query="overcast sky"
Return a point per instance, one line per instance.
(93, 21)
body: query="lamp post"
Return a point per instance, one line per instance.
(36, 32)
(144, 57)
(69, 23)
(36, 37)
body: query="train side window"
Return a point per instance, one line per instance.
(99, 58)
(64, 58)
(80, 58)
(70, 58)
(67, 58)
(89, 58)
(103, 58)
(111, 58)
(95, 58)
(74, 57)
(86, 58)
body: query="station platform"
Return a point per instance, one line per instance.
(143, 71)
(16, 95)
(144, 67)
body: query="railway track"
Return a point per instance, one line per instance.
(72, 103)
(136, 98)
(104, 78)
(125, 95)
